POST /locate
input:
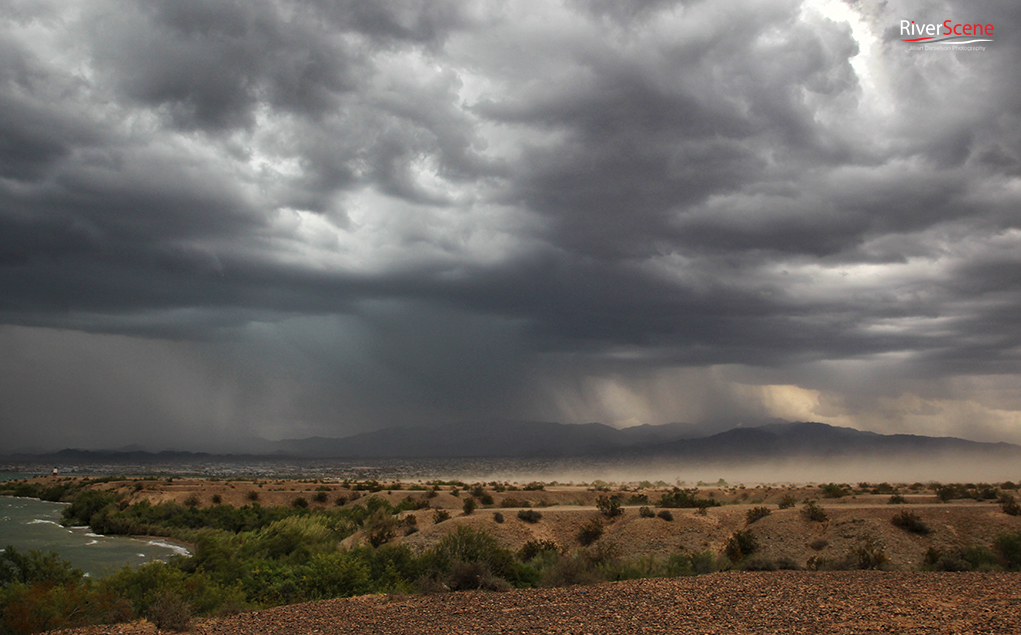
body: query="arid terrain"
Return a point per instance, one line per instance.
(784, 533)
(810, 599)
(732, 603)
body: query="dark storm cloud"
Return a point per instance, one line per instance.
(418, 210)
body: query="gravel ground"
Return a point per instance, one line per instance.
(731, 603)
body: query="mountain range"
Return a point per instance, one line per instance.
(497, 438)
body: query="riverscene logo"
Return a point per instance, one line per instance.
(949, 35)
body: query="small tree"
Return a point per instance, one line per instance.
(468, 506)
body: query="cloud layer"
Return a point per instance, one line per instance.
(221, 219)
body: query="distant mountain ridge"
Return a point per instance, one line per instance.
(505, 439)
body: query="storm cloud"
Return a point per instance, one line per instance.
(224, 219)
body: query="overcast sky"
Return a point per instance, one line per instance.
(223, 219)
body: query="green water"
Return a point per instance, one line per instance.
(26, 523)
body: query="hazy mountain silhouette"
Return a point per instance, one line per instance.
(495, 438)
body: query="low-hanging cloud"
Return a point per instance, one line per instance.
(284, 217)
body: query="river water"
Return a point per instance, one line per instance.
(27, 523)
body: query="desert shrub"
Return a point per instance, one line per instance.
(897, 499)
(645, 512)
(497, 517)
(909, 521)
(466, 544)
(740, 545)
(638, 499)
(609, 506)
(699, 563)
(299, 503)
(787, 501)
(529, 515)
(1008, 547)
(337, 574)
(534, 547)
(685, 499)
(883, 488)
(192, 501)
(1008, 505)
(466, 576)
(946, 493)
(813, 513)
(485, 498)
(320, 497)
(253, 496)
(756, 513)
(381, 528)
(569, 571)
(667, 515)
(590, 532)
(217, 499)
(440, 515)
(534, 486)
(758, 563)
(819, 544)
(510, 501)
(170, 612)
(868, 554)
(468, 506)
(832, 490)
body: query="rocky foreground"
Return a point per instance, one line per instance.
(730, 603)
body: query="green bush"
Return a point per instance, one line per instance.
(333, 575)
(468, 506)
(897, 499)
(645, 512)
(666, 515)
(440, 515)
(699, 563)
(535, 547)
(35, 567)
(787, 501)
(497, 517)
(86, 505)
(1008, 547)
